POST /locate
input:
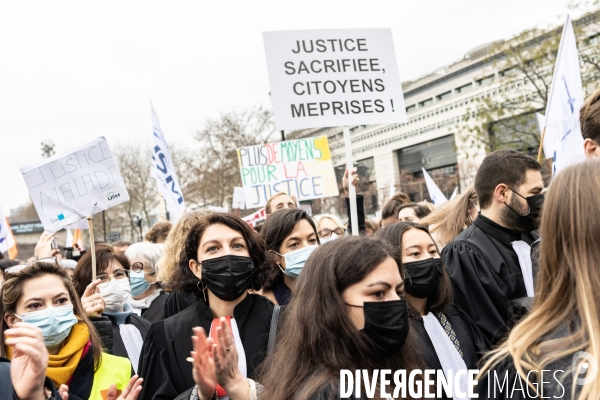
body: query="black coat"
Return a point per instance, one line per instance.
(156, 311)
(486, 275)
(7, 392)
(177, 302)
(472, 342)
(110, 335)
(163, 363)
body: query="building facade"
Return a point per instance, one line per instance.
(390, 157)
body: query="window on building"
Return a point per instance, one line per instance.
(484, 81)
(443, 96)
(464, 88)
(438, 157)
(411, 108)
(425, 103)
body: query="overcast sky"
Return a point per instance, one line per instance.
(72, 71)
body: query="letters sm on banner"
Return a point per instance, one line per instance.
(333, 77)
(302, 168)
(75, 184)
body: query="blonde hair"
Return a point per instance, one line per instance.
(335, 219)
(568, 281)
(175, 243)
(451, 218)
(268, 205)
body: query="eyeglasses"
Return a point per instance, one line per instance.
(325, 233)
(118, 274)
(139, 267)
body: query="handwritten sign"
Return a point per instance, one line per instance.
(333, 77)
(302, 168)
(256, 217)
(75, 184)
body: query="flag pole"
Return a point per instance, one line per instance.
(539, 157)
(351, 188)
(92, 246)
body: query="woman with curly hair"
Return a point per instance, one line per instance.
(226, 259)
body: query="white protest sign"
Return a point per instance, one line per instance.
(75, 184)
(302, 168)
(333, 77)
(239, 198)
(164, 172)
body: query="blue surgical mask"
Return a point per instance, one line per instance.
(295, 260)
(55, 323)
(138, 283)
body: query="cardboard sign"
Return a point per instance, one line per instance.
(75, 184)
(302, 168)
(239, 198)
(255, 218)
(333, 77)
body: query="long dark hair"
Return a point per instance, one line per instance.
(12, 290)
(278, 226)
(105, 255)
(317, 337)
(264, 265)
(392, 234)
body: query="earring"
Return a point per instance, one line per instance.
(203, 290)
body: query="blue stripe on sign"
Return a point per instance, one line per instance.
(61, 217)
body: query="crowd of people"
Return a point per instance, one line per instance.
(502, 279)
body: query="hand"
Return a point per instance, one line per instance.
(63, 391)
(43, 248)
(131, 392)
(29, 361)
(228, 373)
(345, 181)
(92, 301)
(204, 364)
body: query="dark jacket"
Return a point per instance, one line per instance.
(163, 363)
(108, 330)
(7, 392)
(156, 311)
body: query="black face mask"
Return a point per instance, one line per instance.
(530, 221)
(423, 277)
(386, 325)
(227, 277)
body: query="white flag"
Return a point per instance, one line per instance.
(7, 240)
(437, 197)
(164, 173)
(549, 139)
(564, 101)
(454, 193)
(69, 241)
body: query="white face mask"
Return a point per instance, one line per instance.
(115, 294)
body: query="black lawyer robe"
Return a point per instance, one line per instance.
(163, 363)
(472, 342)
(486, 274)
(156, 311)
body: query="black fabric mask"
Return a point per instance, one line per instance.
(423, 277)
(227, 277)
(386, 325)
(531, 220)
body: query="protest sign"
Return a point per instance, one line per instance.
(333, 77)
(239, 198)
(256, 217)
(75, 184)
(164, 172)
(302, 168)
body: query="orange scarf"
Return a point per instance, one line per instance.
(61, 366)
